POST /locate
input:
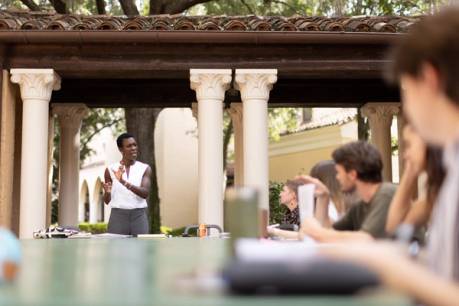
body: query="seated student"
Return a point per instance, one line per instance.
(359, 168)
(418, 158)
(325, 172)
(426, 65)
(289, 198)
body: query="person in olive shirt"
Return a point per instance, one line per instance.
(359, 169)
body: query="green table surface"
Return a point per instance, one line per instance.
(139, 272)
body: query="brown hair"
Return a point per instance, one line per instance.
(293, 185)
(435, 173)
(433, 40)
(325, 172)
(362, 157)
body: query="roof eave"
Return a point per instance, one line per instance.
(194, 37)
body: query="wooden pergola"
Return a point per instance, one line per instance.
(105, 61)
(114, 61)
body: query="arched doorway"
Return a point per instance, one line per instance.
(99, 201)
(83, 211)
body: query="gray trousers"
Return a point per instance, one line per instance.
(128, 221)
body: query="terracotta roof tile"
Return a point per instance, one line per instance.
(25, 20)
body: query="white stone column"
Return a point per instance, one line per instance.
(70, 117)
(210, 86)
(380, 117)
(36, 88)
(236, 114)
(255, 85)
(401, 145)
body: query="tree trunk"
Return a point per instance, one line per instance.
(140, 122)
(60, 6)
(129, 8)
(31, 5)
(100, 7)
(172, 7)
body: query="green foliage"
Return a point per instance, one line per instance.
(276, 210)
(177, 232)
(282, 120)
(97, 120)
(317, 7)
(262, 7)
(93, 228)
(394, 145)
(9, 4)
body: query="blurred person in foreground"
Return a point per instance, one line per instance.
(426, 65)
(420, 162)
(358, 169)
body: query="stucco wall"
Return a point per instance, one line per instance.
(177, 166)
(298, 153)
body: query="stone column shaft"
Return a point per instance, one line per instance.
(36, 86)
(236, 114)
(70, 117)
(255, 85)
(210, 86)
(380, 117)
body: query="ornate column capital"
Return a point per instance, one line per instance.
(235, 111)
(381, 112)
(255, 83)
(210, 83)
(70, 115)
(36, 83)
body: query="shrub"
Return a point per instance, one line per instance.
(276, 211)
(93, 228)
(177, 232)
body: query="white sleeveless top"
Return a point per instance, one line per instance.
(121, 197)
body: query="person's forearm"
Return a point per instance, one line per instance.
(284, 234)
(419, 213)
(107, 197)
(401, 203)
(321, 211)
(138, 190)
(331, 235)
(416, 281)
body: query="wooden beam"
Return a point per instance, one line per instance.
(177, 92)
(175, 60)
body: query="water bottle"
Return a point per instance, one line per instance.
(241, 218)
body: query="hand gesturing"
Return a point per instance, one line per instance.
(107, 187)
(320, 189)
(119, 173)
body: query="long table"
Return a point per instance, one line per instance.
(140, 272)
